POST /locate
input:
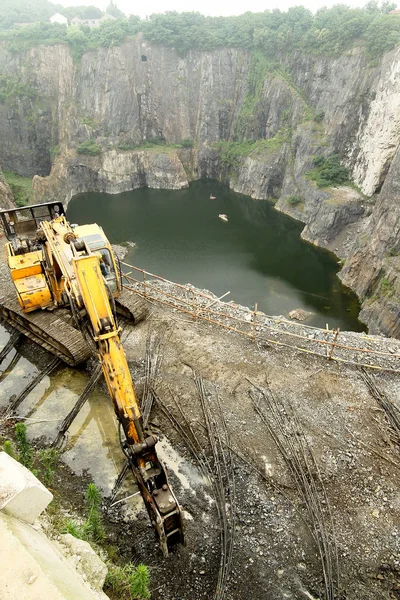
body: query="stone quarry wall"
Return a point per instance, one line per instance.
(117, 99)
(6, 195)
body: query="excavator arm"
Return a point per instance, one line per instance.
(139, 446)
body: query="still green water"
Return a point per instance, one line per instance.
(257, 255)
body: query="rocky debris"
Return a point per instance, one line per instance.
(121, 251)
(274, 553)
(349, 346)
(85, 560)
(299, 314)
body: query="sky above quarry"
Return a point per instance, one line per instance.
(208, 7)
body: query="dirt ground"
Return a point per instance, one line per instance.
(347, 434)
(302, 498)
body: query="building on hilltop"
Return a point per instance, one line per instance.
(57, 18)
(396, 11)
(92, 22)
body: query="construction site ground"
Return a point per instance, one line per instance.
(286, 464)
(270, 531)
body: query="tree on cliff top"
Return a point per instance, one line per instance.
(275, 33)
(26, 11)
(113, 10)
(83, 12)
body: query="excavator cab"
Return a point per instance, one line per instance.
(96, 242)
(21, 224)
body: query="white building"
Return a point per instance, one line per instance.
(92, 22)
(57, 18)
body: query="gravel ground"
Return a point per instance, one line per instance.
(348, 435)
(286, 413)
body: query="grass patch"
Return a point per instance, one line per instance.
(48, 459)
(129, 582)
(92, 529)
(232, 153)
(293, 199)
(74, 528)
(42, 463)
(386, 287)
(25, 452)
(21, 187)
(156, 142)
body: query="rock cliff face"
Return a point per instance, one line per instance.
(6, 195)
(123, 96)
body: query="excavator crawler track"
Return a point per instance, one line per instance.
(54, 331)
(132, 306)
(51, 330)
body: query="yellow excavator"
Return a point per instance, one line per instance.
(56, 266)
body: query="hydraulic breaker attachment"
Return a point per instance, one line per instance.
(160, 501)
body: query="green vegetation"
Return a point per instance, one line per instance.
(328, 171)
(25, 453)
(94, 525)
(154, 142)
(35, 11)
(12, 90)
(294, 199)
(9, 449)
(129, 582)
(21, 187)
(48, 459)
(386, 287)
(274, 33)
(187, 143)
(259, 67)
(89, 147)
(73, 528)
(54, 152)
(232, 153)
(92, 528)
(42, 463)
(24, 11)
(89, 121)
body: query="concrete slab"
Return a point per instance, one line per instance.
(22, 495)
(34, 569)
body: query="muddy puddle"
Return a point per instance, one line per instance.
(91, 445)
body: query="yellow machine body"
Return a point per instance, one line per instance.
(29, 279)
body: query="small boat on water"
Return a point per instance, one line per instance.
(213, 197)
(223, 217)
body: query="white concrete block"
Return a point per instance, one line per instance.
(89, 564)
(21, 493)
(32, 567)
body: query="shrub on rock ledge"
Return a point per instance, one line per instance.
(89, 147)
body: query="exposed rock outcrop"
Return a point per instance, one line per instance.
(6, 195)
(373, 267)
(111, 172)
